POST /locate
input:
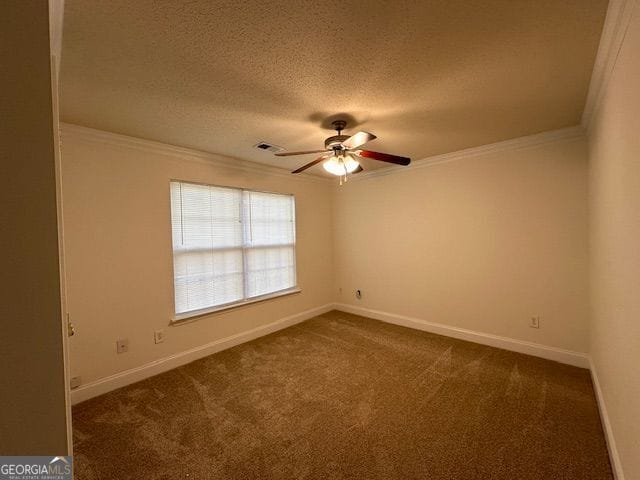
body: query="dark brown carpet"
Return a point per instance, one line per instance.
(341, 396)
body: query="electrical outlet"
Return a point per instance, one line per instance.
(122, 346)
(158, 336)
(534, 322)
(358, 294)
(75, 382)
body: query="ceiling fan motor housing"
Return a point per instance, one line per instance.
(335, 141)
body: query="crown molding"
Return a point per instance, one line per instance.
(529, 141)
(70, 130)
(614, 30)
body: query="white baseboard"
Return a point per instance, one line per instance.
(577, 359)
(127, 377)
(616, 465)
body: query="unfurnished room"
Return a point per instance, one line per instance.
(320, 240)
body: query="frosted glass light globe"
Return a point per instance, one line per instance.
(341, 165)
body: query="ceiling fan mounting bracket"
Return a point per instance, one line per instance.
(335, 142)
(339, 125)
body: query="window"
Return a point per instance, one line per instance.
(230, 246)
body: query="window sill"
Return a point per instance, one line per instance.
(188, 317)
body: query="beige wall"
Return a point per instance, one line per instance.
(614, 161)
(478, 243)
(32, 399)
(119, 259)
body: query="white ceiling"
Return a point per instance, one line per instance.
(427, 77)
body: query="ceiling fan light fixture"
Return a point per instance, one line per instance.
(340, 153)
(341, 165)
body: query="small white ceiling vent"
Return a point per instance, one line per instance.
(269, 147)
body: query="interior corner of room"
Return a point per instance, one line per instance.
(149, 226)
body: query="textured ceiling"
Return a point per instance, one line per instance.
(426, 77)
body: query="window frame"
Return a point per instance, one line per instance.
(192, 315)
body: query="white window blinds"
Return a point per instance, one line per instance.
(230, 245)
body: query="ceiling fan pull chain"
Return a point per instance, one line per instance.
(344, 165)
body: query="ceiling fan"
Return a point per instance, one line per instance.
(340, 153)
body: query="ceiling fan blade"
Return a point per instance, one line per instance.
(358, 170)
(357, 139)
(288, 154)
(384, 157)
(310, 164)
